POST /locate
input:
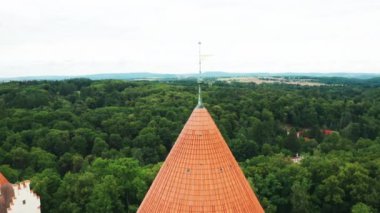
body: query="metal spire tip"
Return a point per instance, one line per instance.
(200, 104)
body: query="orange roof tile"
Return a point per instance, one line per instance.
(3, 180)
(200, 174)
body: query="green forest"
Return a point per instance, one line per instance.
(96, 146)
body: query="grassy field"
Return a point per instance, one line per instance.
(301, 82)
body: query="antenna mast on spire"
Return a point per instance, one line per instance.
(200, 104)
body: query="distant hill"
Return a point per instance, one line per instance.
(214, 74)
(120, 76)
(130, 76)
(334, 74)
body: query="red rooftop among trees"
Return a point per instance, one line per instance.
(3, 180)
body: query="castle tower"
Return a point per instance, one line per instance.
(17, 198)
(200, 174)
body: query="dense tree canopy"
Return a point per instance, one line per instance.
(96, 146)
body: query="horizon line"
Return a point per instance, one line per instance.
(195, 73)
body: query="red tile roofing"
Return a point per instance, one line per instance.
(3, 180)
(200, 174)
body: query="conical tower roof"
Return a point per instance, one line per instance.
(200, 174)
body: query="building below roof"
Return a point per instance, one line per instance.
(18, 198)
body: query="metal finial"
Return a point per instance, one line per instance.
(200, 104)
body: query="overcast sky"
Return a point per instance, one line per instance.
(74, 37)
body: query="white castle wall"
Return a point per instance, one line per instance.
(25, 201)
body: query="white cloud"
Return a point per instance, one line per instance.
(50, 37)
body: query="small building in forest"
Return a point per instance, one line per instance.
(297, 158)
(327, 131)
